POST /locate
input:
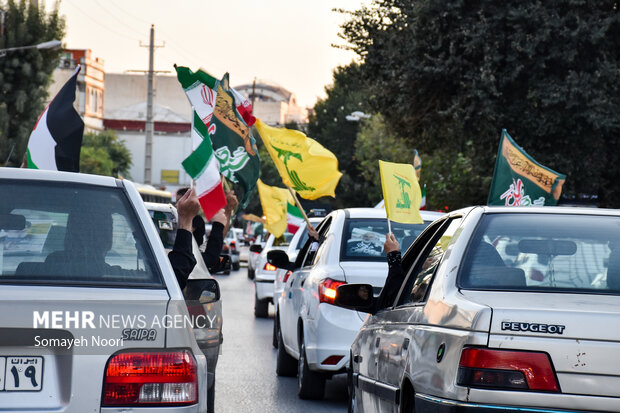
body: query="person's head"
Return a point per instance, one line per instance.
(180, 192)
(367, 237)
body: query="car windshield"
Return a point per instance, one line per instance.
(72, 234)
(363, 239)
(534, 252)
(283, 241)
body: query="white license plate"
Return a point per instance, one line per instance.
(21, 373)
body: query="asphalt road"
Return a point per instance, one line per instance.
(246, 379)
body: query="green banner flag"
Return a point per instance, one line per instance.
(518, 180)
(235, 147)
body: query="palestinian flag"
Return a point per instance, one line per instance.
(56, 139)
(203, 167)
(294, 217)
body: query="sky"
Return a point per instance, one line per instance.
(288, 42)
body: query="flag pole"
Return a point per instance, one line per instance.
(299, 205)
(389, 226)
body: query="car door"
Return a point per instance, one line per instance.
(383, 343)
(404, 330)
(293, 290)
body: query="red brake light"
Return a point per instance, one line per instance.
(327, 290)
(288, 274)
(233, 244)
(507, 369)
(269, 267)
(150, 378)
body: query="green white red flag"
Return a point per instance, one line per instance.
(294, 217)
(203, 167)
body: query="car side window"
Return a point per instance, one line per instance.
(308, 252)
(418, 282)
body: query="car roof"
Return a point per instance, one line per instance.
(44, 175)
(550, 210)
(380, 213)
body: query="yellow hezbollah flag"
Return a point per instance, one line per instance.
(304, 165)
(401, 192)
(274, 201)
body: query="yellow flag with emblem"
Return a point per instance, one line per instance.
(303, 163)
(274, 201)
(401, 192)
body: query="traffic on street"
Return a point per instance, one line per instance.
(383, 206)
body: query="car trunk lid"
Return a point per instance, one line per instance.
(576, 330)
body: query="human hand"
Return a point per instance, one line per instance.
(231, 203)
(188, 207)
(312, 233)
(220, 217)
(390, 244)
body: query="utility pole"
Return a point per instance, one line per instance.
(253, 92)
(149, 127)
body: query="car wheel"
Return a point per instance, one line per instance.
(211, 398)
(285, 364)
(310, 385)
(250, 273)
(261, 308)
(274, 335)
(236, 266)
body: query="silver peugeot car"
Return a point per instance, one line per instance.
(499, 309)
(92, 318)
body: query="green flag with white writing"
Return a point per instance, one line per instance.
(518, 180)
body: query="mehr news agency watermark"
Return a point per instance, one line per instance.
(136, 327)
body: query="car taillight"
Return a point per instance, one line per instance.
(506, 369)
(269, 267)
(327, 290)
(150, 378)
(286, 276)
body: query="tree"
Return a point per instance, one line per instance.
(329, 126)
(104, 154)
(25, 74)
(446, 74)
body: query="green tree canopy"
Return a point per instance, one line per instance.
(329, 126)
(446, 74)
(25, 74)
(104, 154)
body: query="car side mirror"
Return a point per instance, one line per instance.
(356, 297)
(257, 248)
(205, 290)
(279, 259)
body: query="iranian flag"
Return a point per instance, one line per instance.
(201, 90)
(56, 140)
(203, 167)
(423, 204)
(294, 217)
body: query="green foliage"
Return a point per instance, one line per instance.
(25, 74)
(104, 154)
(376, 142)
(329, 126)
(446, 74)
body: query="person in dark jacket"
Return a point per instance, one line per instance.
(181, 257)
(396, 275)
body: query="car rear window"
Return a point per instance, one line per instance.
(544, 252)
(363, 239)
(166, 226)
(71, 234)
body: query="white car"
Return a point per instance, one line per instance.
(298, 241)
(254, 252)
(86, 299)
(475, 327)
(265, 274)
(315, 336)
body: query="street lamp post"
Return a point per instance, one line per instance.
(52, 44)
